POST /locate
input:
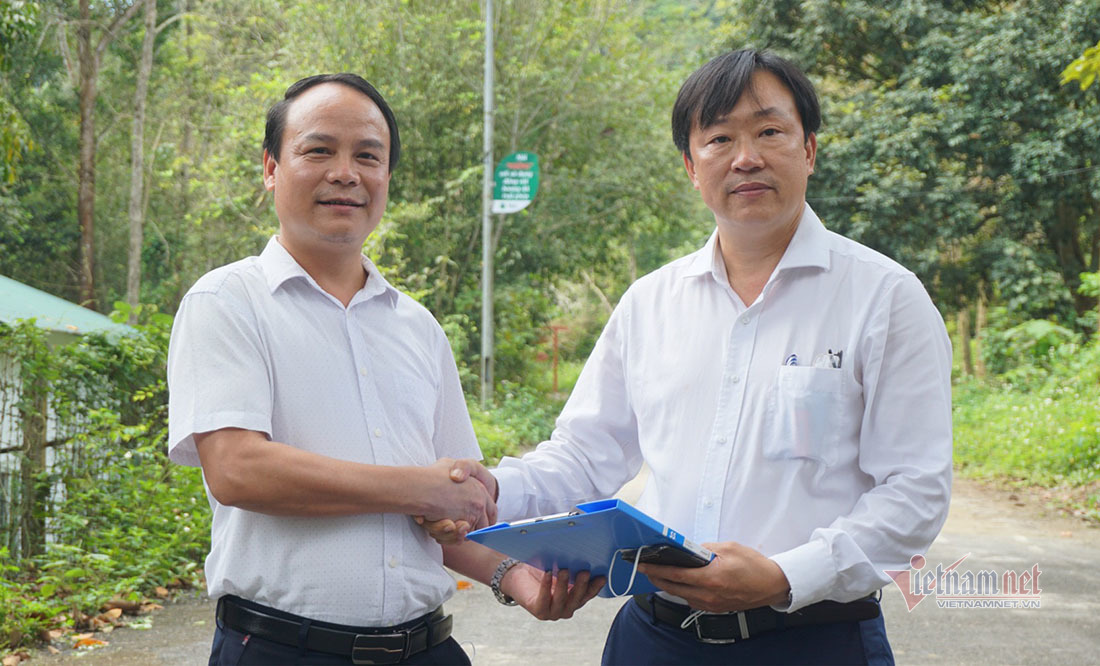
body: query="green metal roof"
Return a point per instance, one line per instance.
(20, 301)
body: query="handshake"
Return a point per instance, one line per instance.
(461, 497)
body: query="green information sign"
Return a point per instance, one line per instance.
(515, 182)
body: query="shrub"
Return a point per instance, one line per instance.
(1044, 431)
(120, 519)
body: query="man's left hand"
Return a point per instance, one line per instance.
(738, 578)
(549, 597)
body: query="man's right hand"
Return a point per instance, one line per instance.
(458, 494)
(447, 531)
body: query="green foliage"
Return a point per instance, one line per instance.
(123, 520)
(521, 419)
(1084, 69)
(1023, 352)
(18, 24)
(25, 611)
(135, 525)
(1045, 433)
(1090, 285)
(1036, 421)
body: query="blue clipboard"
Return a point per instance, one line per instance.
(588, 539)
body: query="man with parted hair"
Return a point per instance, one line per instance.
(325, 409)
(788, 388)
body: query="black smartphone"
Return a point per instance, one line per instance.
(666, 555)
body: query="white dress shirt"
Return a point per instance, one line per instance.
(259, 345)
(834, 473)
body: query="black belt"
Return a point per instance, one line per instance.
(732, 627)
(365, 645)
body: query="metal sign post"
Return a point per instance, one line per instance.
(507, 189)
(487, 220)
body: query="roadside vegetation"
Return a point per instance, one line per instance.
(1036, 421)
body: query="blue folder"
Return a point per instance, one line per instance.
(588, 539)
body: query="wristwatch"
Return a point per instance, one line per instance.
(498, 575)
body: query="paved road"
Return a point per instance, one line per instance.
(997, 533)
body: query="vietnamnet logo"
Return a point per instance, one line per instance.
(955, 587)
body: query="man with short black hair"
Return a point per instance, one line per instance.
(325, 409)
(788, 388)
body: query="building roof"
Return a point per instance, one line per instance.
(20, 301)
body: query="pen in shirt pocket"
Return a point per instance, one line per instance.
(829, 359)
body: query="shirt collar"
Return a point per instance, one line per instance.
(808, 248)
(279, 266)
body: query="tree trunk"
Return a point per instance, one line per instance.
(137, 161)
(186, 149)
(85, 203)
(963, 323)
(1064, 235)
(35, 488)
(89, 57)
(979, 326)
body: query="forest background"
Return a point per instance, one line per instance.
(960, 138)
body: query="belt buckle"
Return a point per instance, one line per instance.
(391, 652)
(704, 636)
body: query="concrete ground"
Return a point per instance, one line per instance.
(994, 529)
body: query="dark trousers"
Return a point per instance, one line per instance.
(232, 648)
(635, 639)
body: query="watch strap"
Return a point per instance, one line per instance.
(504, 567)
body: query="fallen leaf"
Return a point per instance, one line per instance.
(89, 643)
(110, 615)
(162, 592)
(149, 607)
(11, 660)
(80, 637)
(48, 635)
(53, 650)
(464, 585)
(1067, 533)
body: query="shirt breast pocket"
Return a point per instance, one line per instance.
(812, 413)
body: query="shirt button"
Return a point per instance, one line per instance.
(734, 379)
(363, 371)
(377, 432)
(721, 440)
(393, 562)
(745, 320)
(708, 503)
